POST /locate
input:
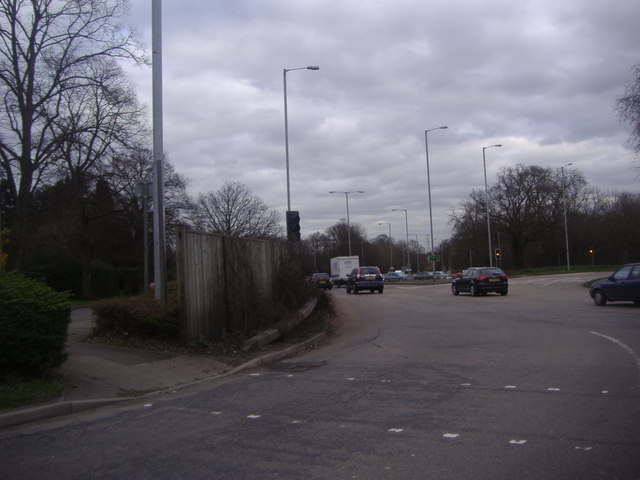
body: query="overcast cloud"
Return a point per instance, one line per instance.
(539, 76)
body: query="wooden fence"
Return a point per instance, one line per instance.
(223, 281)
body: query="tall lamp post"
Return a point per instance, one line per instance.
(486, 200)
(390, 245)
(406, 222)
(426, 148)
(564, 211)
(417, 252)
(346, 194)
(159, 241)
(286, 124)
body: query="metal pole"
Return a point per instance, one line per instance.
(348, 221)
(406, 223)
(346, 194)
(159, 272)
(417, 252)
(426, 147)
(390, 245)
(286, 126)
(564, 209)
(286, 137)
(486, 199)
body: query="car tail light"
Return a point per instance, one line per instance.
(481, 277)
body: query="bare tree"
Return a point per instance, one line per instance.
(629, 108)
(233, 210)
(48, 48)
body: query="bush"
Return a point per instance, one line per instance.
(137, 316)
(33, 325)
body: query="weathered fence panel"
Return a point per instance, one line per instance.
(220, 278)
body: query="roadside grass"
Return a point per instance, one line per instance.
(530, 272)
(17, 391)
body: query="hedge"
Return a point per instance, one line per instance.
(34, 321)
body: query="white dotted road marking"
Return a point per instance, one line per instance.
(517, 442)
(451, 435)
(395, 430)
(510, 387)
(553, 389)
(253, 417)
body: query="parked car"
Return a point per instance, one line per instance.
(623, 285)
(365, 278)
(322, 280)
(396, 277)
(439, 275)
(423, 276)
(481, 280)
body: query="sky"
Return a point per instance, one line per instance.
(540, 77)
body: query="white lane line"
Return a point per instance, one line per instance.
(625, 347)
(517, 442)
(396, 430)
(451, 435)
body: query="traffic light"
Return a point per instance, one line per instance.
(293, 225)
(591, 251)
(498, 253)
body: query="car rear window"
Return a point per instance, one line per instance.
(492, 272)
(373, 270)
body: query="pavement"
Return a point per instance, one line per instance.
(99, 375)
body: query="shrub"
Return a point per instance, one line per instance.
(33, 325)
(137, 316)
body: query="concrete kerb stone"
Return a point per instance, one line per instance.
(43, 412)
(280, 328)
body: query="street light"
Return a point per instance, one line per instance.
(564, 209)
(406, 221)
(346, 194)
(486, 199)
(286, 125)
(390, 245)
(417, 252)
(426, 147)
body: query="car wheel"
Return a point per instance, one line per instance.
(454, 289)
(473, 290)
(380, 290)
(355, 290)
(503, 293)
(599, 297)
(348, 289)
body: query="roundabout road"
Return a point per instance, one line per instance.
(418, 384)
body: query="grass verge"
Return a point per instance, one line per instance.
(16, 391)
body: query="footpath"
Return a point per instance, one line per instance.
(99, 375)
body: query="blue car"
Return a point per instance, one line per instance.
(622, 286)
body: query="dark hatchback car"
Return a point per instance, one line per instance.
(322, 280)
(480, 281)
(365, 278)
(623, 285)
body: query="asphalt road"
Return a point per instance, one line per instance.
(419, 384)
